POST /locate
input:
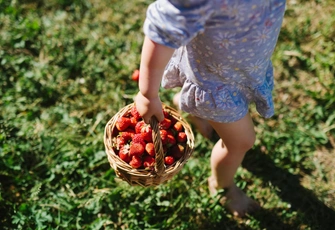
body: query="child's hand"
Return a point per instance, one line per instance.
(148, 107)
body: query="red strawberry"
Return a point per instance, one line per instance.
(122, 123)
(136, 149)
(150, 149)
(146, 132)
(147, 136)
(181, 137)
(119, 142)
(178, 126)
(169, 160)
(124, 153)
(115, 132)
(127, 134)
(165, 124)
(163, 134)
(177, 151)
(135, 113)
(135, 75)
(148, 161)
(138, 138)
(171, 141)
(139, 126)
(136, 162)
(133, 122)
(173, 120)
(166, 114)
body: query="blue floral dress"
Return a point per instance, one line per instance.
(223, 50)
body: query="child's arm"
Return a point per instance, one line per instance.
(169, 25)
(154, 59)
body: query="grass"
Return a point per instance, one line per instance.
(65, 70)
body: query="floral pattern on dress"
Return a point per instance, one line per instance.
(225, 40)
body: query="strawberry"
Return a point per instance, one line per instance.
(124, 153)
(138, 138)
(166, 114)
(171, 141)
(122, 123)
(127, 134)
(169, 160)
(133, 122)
(134, 113)
(135, 75)
(136, 149)
(119, 142)
(147, 136)
(177, 151)
(181, 137)
(146, 132)
(173, 120)
(178, 126)
(150, 149)
(139, 126)
(136, 162)
(163, 134)
(115, 132)
(165, 124)
(148, 161)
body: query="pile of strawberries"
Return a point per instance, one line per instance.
(133, 143)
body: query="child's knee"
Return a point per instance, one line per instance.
(245, 143)
(249, 142)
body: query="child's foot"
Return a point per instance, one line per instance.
(201, 124)
(235, 200)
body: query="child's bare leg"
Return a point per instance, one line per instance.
(226, 157)
(202, 125)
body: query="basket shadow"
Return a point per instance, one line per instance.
(302, 200)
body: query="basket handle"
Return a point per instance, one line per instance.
(156, 137)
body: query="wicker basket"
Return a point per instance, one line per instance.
(160, 173)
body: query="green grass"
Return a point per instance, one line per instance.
(65, 70)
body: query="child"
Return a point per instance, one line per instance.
(219, 53)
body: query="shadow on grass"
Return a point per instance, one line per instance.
(312, 211)
(272, 222)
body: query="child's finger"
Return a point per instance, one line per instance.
(159, 116)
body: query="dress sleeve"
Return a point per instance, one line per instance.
(174, 23)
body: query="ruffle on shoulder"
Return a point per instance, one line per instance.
(176, 23)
